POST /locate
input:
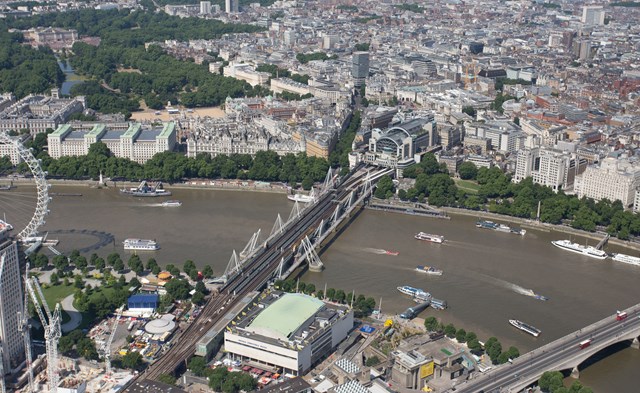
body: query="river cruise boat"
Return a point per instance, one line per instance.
(147, 190)
(429, 270)
(171, 203)
(624, 258)
(588, 251)
(429, 237)
(535, 332)
(485, 224)
(140, 245)
(415, 292)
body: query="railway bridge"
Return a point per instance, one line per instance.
(289, 244)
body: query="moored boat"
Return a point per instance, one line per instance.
(140, 245)
(624, 258)
(146, 190)
(415, 292)
(535, 332)
(429, 270)
(588, 251)
(429, 237)
(486, 224)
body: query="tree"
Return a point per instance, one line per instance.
(198, 366)
(331, 294)
(81, 262)
(135, 264)
(168, 378)
(132, 360)
(118, 265)
(431, 323)
(550, 380)
(467, 170)
(178, 288)
(469, 110)
(54, 279)
(450, 330)
(78, 283)
(383, 187)
(99, 264)
(197, 298)
(307, 183)
(461, 335)
(151, 264)
(207, 272)
(200, 287)
(60, 262)
(372, 361)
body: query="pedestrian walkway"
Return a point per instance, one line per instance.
(76, 317)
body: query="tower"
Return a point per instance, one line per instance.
(205, 7)
(593, 15)
(360, 67)
(11, 304)
(231, 6)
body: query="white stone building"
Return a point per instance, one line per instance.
(615, 179)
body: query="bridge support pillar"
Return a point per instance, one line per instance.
(575, 373)
(635, 343)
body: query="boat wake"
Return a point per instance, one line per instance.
(515, 288)
(380, 251)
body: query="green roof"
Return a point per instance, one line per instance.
(96, 131)
(132, 131)
(62, 130)
(166, 130)
(284, 316)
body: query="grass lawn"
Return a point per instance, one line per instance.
(54, 294)
(469, 186)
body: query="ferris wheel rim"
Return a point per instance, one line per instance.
(42, 187)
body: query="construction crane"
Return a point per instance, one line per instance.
(25, 329)
(105, 349)
(52, 331)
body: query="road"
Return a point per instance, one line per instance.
(253, 276)
(529, 367)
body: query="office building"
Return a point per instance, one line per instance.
(231, 6)
(505, 136)
(205, 7)
(360, 67)
(615, 179)
(135, 143)
(289, 38)
(11, 304)
(548, 167)
(287, 332)
(593, 15)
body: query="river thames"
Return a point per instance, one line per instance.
(486, 273)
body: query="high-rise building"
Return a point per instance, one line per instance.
(11, 304)
(289, 38)
(231, 6)
(205, 7)
(360, 67)
(548, 167)
(593, 15)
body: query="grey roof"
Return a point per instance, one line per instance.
(148, 135)
(76, 135)
(113, 134)
(148, 386)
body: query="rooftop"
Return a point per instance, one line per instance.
(284, 316)
(149, 386)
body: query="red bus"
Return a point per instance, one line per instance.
(584, 344)
(621, 316)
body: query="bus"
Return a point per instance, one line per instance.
(584, 344)
(621, 316)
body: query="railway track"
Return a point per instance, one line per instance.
(253, 276)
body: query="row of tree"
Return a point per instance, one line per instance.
(492, 348)
(363, 306)
(173, 166)
(553, 382)
(497, 194)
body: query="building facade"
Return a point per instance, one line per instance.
(287, 331)
(548, 167)
(135, 143)
(615, 179)
(11, 304)
(397, 146)
(359, 67)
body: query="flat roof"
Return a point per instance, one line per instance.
(75, 135)
(284, 316)
(148, 135)
(113, 135)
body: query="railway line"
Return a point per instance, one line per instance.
(253, 276)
